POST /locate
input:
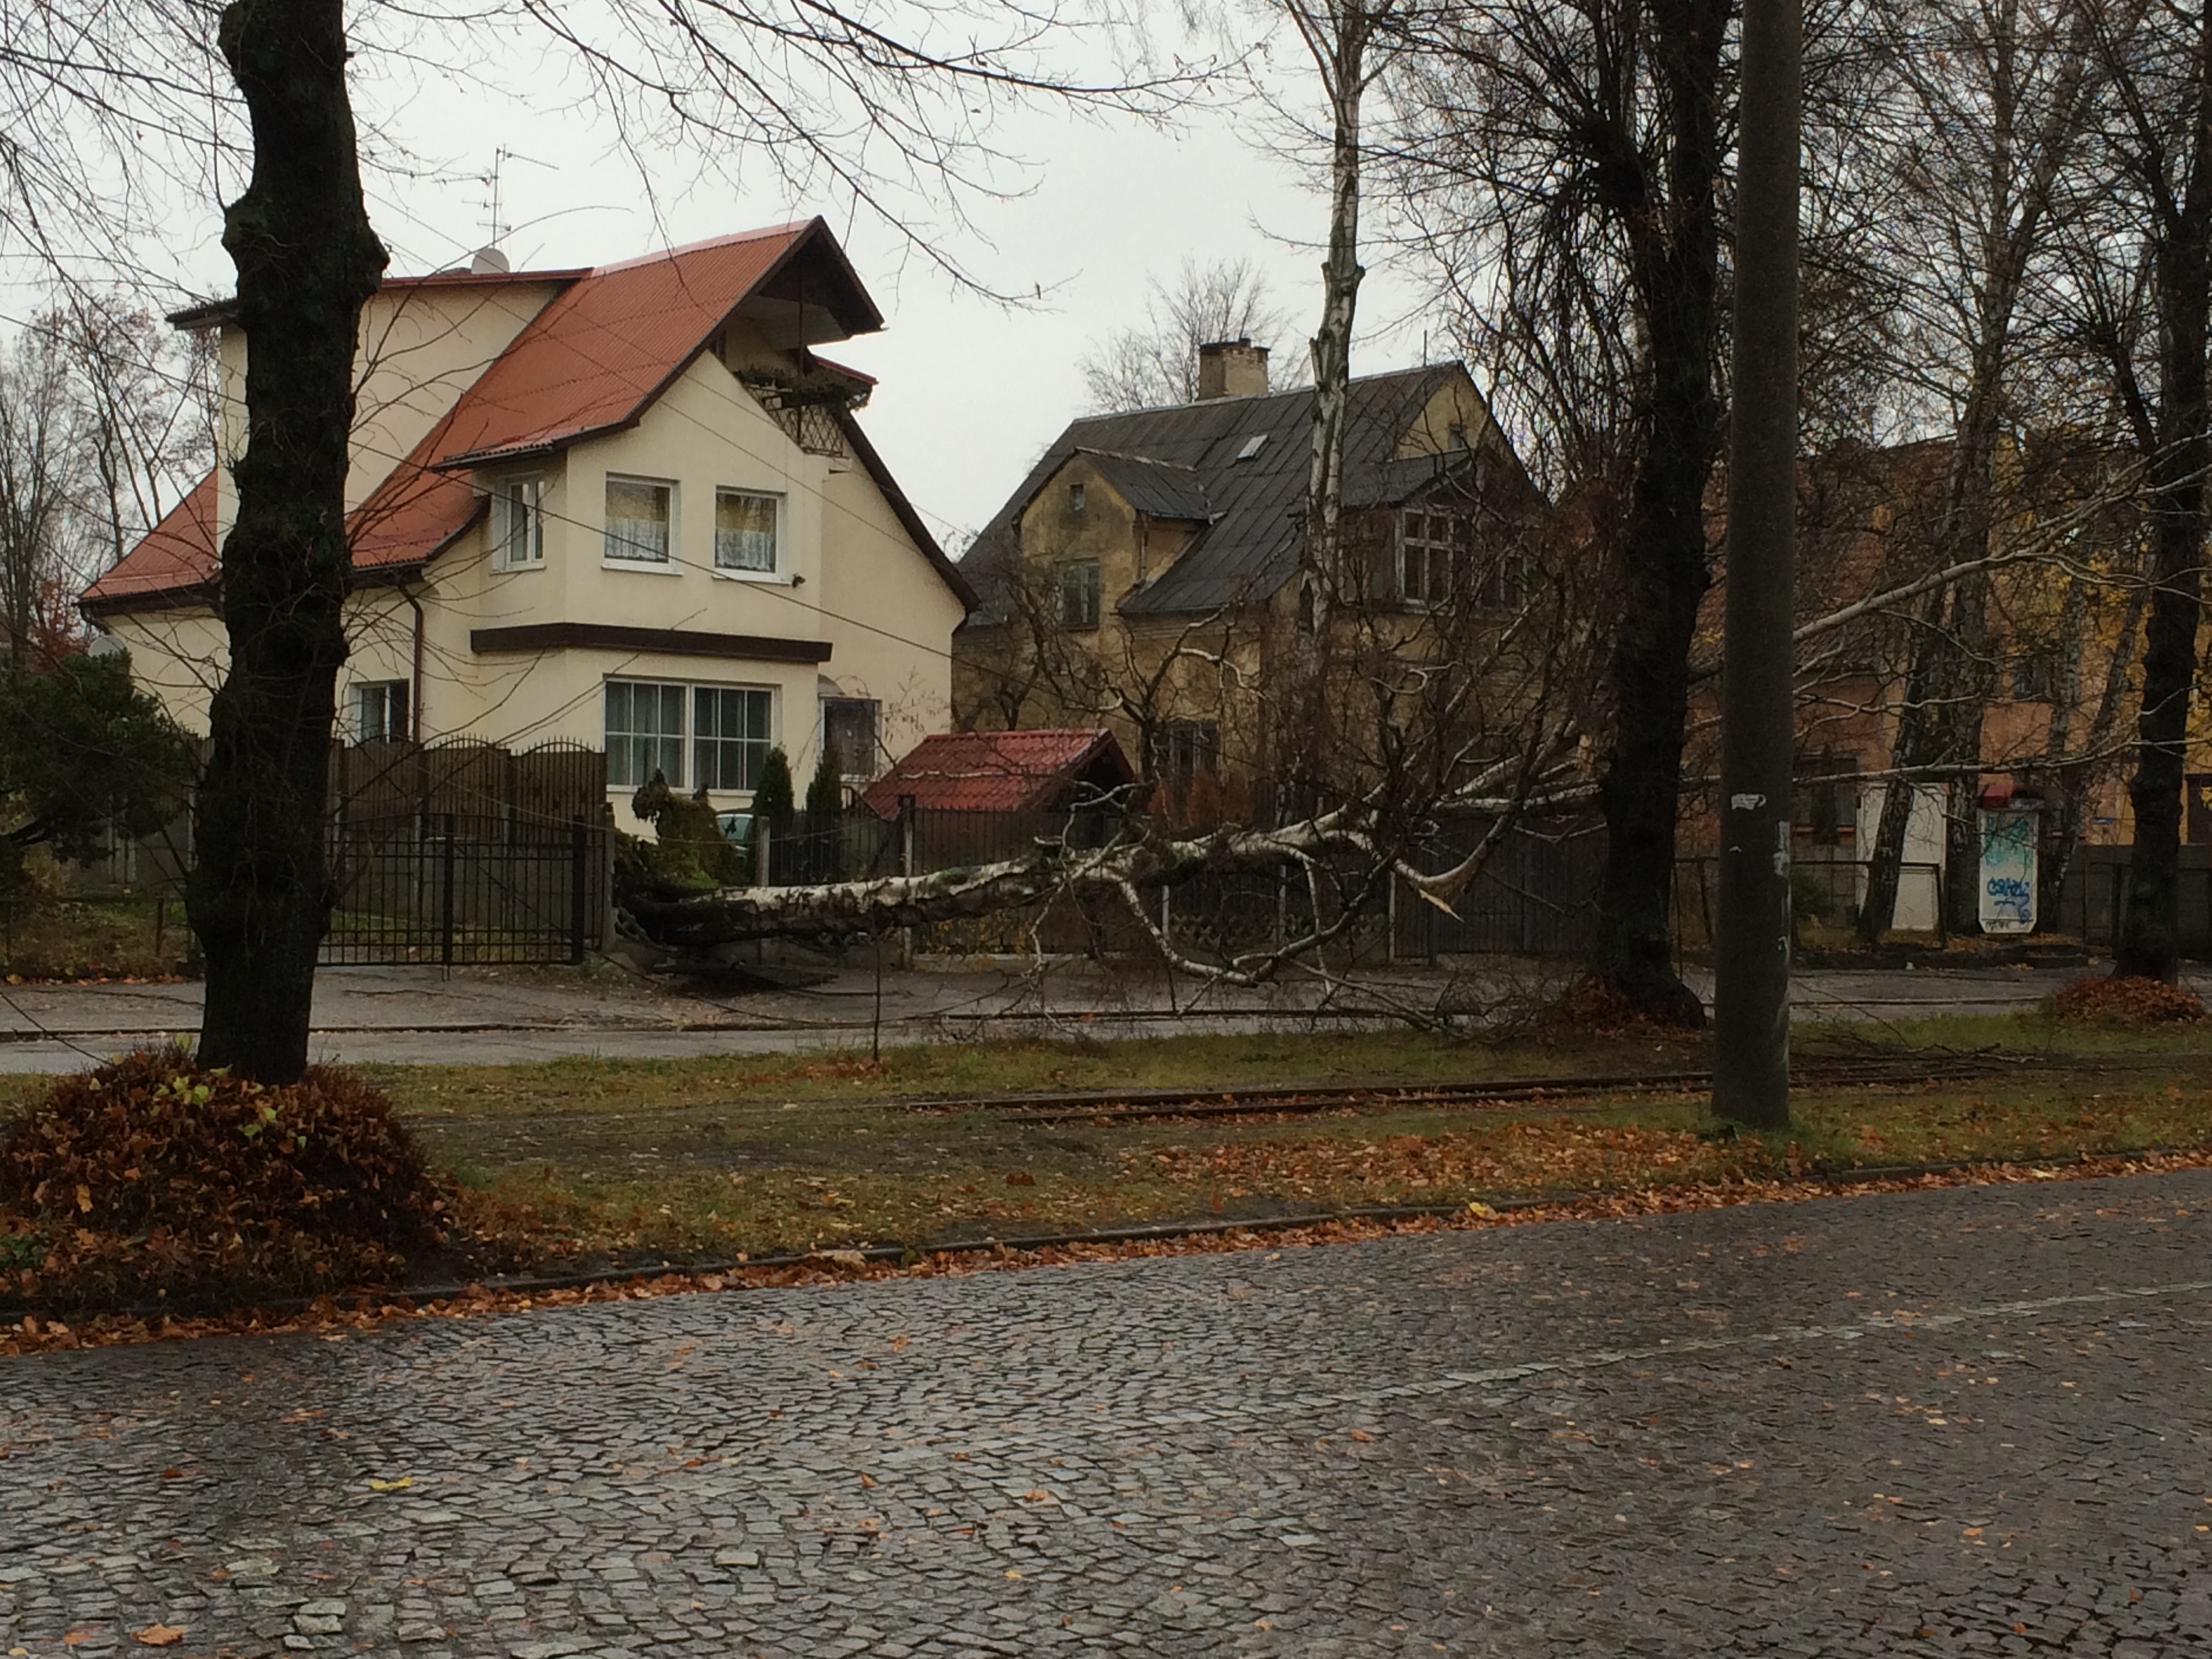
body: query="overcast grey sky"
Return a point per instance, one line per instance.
(970, 391)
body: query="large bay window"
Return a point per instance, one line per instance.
(651, 724)
(641, 517)
(730, 734)
(645, 732)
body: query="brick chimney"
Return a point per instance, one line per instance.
(1231, 369)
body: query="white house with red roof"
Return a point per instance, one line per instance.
(627, 506)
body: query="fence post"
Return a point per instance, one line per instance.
(906, 811)
(577, 893)
(446, 902)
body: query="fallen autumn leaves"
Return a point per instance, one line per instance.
(334, 1317)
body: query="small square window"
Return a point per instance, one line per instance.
(639, 515)
(746, 526)
(1079, 593)
(518, 523)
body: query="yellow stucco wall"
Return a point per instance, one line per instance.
(851, 577)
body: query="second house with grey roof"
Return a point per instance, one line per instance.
(1143, 576)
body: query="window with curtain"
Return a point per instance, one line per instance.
(745, 525)
(645, 732)
(730, 737)
(638, 518)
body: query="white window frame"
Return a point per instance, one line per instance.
(695, 738)
(503, 509)
(686, 737)
(360, 693)
(667, 561)
(681, 735)
(775, 572)
(1440, 556)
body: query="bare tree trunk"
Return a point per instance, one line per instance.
(1337, 37)
(306, 260)
(1664, 573)
(2182, 271)
(2078, 783)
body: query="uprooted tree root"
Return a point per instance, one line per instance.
(2132, 1004)
(150, 1182)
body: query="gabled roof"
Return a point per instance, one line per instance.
(1001, 771)
(1249, 459)
(598, 355)
(176, 556)
(1161, 490)
(593, 361)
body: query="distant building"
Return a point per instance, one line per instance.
(1142, 575)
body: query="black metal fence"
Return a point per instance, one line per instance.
(460, 889)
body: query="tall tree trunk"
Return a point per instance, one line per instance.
(2182, 271)
(2078, 783)
(1664, 574)
(307, 258)
(1337, 36)
(1912, 745)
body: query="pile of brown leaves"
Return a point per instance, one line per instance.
(1591, 1008)
(2131, 1004)
(1522, 1156)
(149, 1182)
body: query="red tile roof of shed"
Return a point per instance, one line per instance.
(996, 771)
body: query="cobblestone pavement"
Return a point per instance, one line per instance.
(1968, 1421)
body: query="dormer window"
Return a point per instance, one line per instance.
(518, 524)
(1075, 498)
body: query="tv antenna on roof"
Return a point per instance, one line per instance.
(492, 182)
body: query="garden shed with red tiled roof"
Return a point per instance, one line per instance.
(1030, 771)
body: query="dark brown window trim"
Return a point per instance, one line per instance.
(674, 642)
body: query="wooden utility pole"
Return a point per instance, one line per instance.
(1751, 1001)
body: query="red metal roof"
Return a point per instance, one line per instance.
(999, 771)
(597, 356)
(177, 555)
(408, 518)
(593, 360)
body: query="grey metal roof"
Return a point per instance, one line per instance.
(1248, 548)
(1163, 490)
